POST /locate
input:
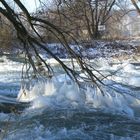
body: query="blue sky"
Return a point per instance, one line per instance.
(31, 4)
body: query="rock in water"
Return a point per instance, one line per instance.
(9, 105)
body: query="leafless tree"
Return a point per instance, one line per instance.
(6, 34)
(90, 14)
(33, 41)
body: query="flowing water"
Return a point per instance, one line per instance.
(60, 110)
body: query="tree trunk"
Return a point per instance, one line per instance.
(136, 5)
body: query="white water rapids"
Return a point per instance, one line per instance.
(59, 109)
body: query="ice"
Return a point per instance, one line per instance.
(61, 92)
(49, 95)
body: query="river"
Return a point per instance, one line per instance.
(60, 110)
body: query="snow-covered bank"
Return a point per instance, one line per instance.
(95, 49)
(89, 50)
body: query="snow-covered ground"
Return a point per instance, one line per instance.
(97, 49)
(90, 50)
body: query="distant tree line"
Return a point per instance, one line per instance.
(87, 19)
(84, 20)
